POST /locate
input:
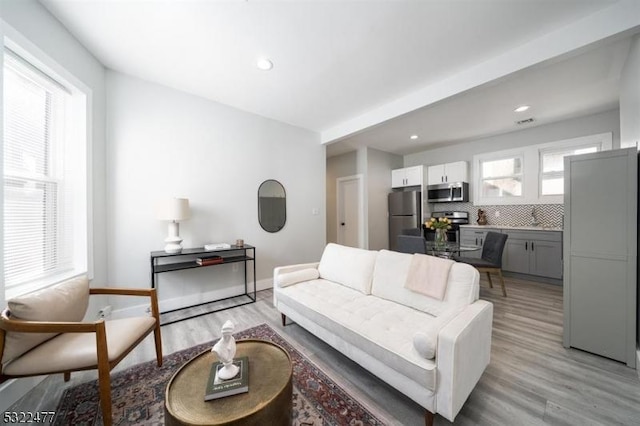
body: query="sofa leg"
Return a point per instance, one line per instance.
(67, 376)
(428, 418)
(284, 319)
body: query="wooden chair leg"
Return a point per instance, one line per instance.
(284, 319)
(428, 418)
(158, 340)
(67, 376)
(489, 278)
(104, 381)
(155, 311)
(504, 289)
(104, 377)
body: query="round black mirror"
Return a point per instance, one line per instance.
(272, 205)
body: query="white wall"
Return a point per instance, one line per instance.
(165, 143)
(630, 99)
(608, 121)
(378, 184)
(338, 166)
(375, 167)
(31, 25)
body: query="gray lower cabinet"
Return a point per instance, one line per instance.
(533, 252)
(526, 252)
(516, 255)
(473, 237)
(546, 258)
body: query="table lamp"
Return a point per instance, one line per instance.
(174, 210)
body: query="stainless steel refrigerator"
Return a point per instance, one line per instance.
(404, 213)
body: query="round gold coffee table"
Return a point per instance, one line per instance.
(269, 400)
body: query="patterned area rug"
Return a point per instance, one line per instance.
(138, 392)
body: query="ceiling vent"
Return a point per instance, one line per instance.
(525, 121)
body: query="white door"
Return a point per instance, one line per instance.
(350, 211)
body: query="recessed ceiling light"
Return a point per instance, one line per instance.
(264, 64)
(522, 108)
(414, 137)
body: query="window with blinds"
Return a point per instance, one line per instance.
(38, 223)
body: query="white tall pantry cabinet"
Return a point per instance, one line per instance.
(600, 253)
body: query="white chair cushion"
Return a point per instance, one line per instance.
(66, 301)
(390, 275)
(351, 267)
(71, 351)
(289, 278)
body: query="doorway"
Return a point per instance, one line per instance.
(350, 203)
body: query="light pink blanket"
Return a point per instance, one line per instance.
(428, 275)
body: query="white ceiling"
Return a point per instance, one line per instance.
(336, 61)
(574, 86)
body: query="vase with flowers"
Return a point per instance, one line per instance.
(440, 225)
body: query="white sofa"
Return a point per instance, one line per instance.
(434, 351)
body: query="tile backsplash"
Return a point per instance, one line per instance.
(547, 215)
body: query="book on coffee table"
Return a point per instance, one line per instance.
(218, 388)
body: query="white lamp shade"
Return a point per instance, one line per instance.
(175, 209)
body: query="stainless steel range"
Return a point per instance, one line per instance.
(456, 218)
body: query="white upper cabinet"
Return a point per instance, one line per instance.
(435, 174)
(448, 173)
(409, 176)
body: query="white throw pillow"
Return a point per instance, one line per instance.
(426, 343)
(284, 280)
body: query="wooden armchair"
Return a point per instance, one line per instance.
(43, 333)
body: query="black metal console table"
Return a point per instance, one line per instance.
(187, 260)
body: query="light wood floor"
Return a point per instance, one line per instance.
(531, 379)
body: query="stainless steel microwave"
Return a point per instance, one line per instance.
(448, 192)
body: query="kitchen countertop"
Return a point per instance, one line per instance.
(515, 228)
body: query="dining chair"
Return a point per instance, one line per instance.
(411, 244)
(417, 232)
(491, 258)
(44, 333)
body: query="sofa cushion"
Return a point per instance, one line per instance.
(289, 278)
(382, 328)
(67, 301)
(351, 267)
(390, 274)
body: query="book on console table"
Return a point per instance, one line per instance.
(210, 260)
(217, 246)
(217, 388)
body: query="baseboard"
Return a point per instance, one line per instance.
(534, 278)
(12, 390)
(192, 299)
(264, 284)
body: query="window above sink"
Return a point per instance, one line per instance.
(529, 175)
